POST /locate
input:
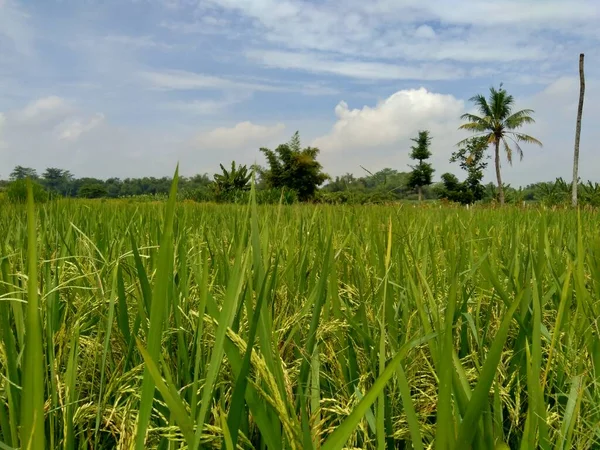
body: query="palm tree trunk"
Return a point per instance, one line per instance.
(578, 132)
(498, 176)
(420, 191)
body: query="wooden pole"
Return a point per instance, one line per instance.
(578, 133)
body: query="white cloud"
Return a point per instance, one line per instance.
(395, 119)
(208, 106)
(240, 136)
(425, 31)
(241, 88)
(381, 39)
(354, 68)
(72, 129)
(183, 80)
(379, 136)
(44, 109)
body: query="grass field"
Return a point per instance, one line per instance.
(127, 325)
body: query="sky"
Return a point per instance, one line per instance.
(128, 88)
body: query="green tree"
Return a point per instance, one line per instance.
(20, 173)
(93, 190)
(422, 173)
(454, 190)
(498, 123)
(472, 158)
(295, 168)
(57, 180)
(235, 179)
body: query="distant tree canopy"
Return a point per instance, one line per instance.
(20, 173)
(386, 185)
(295, 168)
(57, 180)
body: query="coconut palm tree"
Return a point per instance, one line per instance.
(499, 124)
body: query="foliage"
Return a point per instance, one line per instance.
(299, 327)
(422, 173)
(16, 191)
(456, 191)
(589, 194)
(57, 180)
(21, 173)
(93, 190)
(499, 124)
(384, 186)
(295, 168)
(236, 179)
(471, 157)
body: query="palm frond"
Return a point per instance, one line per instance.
(465, 141)
(508, 151)
(500, 103)
(473, 118)
(520, 137)
(482, 105)
(474, 126)
(517, 146)
(519, 119)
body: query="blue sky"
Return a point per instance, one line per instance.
(130, 87)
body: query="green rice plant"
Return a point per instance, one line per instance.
(173, 325)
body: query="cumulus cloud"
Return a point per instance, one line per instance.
(379, 136)
(396, 118)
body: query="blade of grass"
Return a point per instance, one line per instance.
(32, 398)
(158, 309)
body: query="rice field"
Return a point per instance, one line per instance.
(181, 325)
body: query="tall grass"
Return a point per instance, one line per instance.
(158, 325)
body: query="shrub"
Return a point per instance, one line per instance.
(16, 191)
(94, 190)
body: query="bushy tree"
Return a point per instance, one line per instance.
(471, 158)
(295, 168)
(57, 180)
(422, 173)
(93, 190)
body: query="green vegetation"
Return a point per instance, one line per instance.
(165, 325)
(295, 168)
(471, 157)
(422, 173)
(498, 123)
(16, 191)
